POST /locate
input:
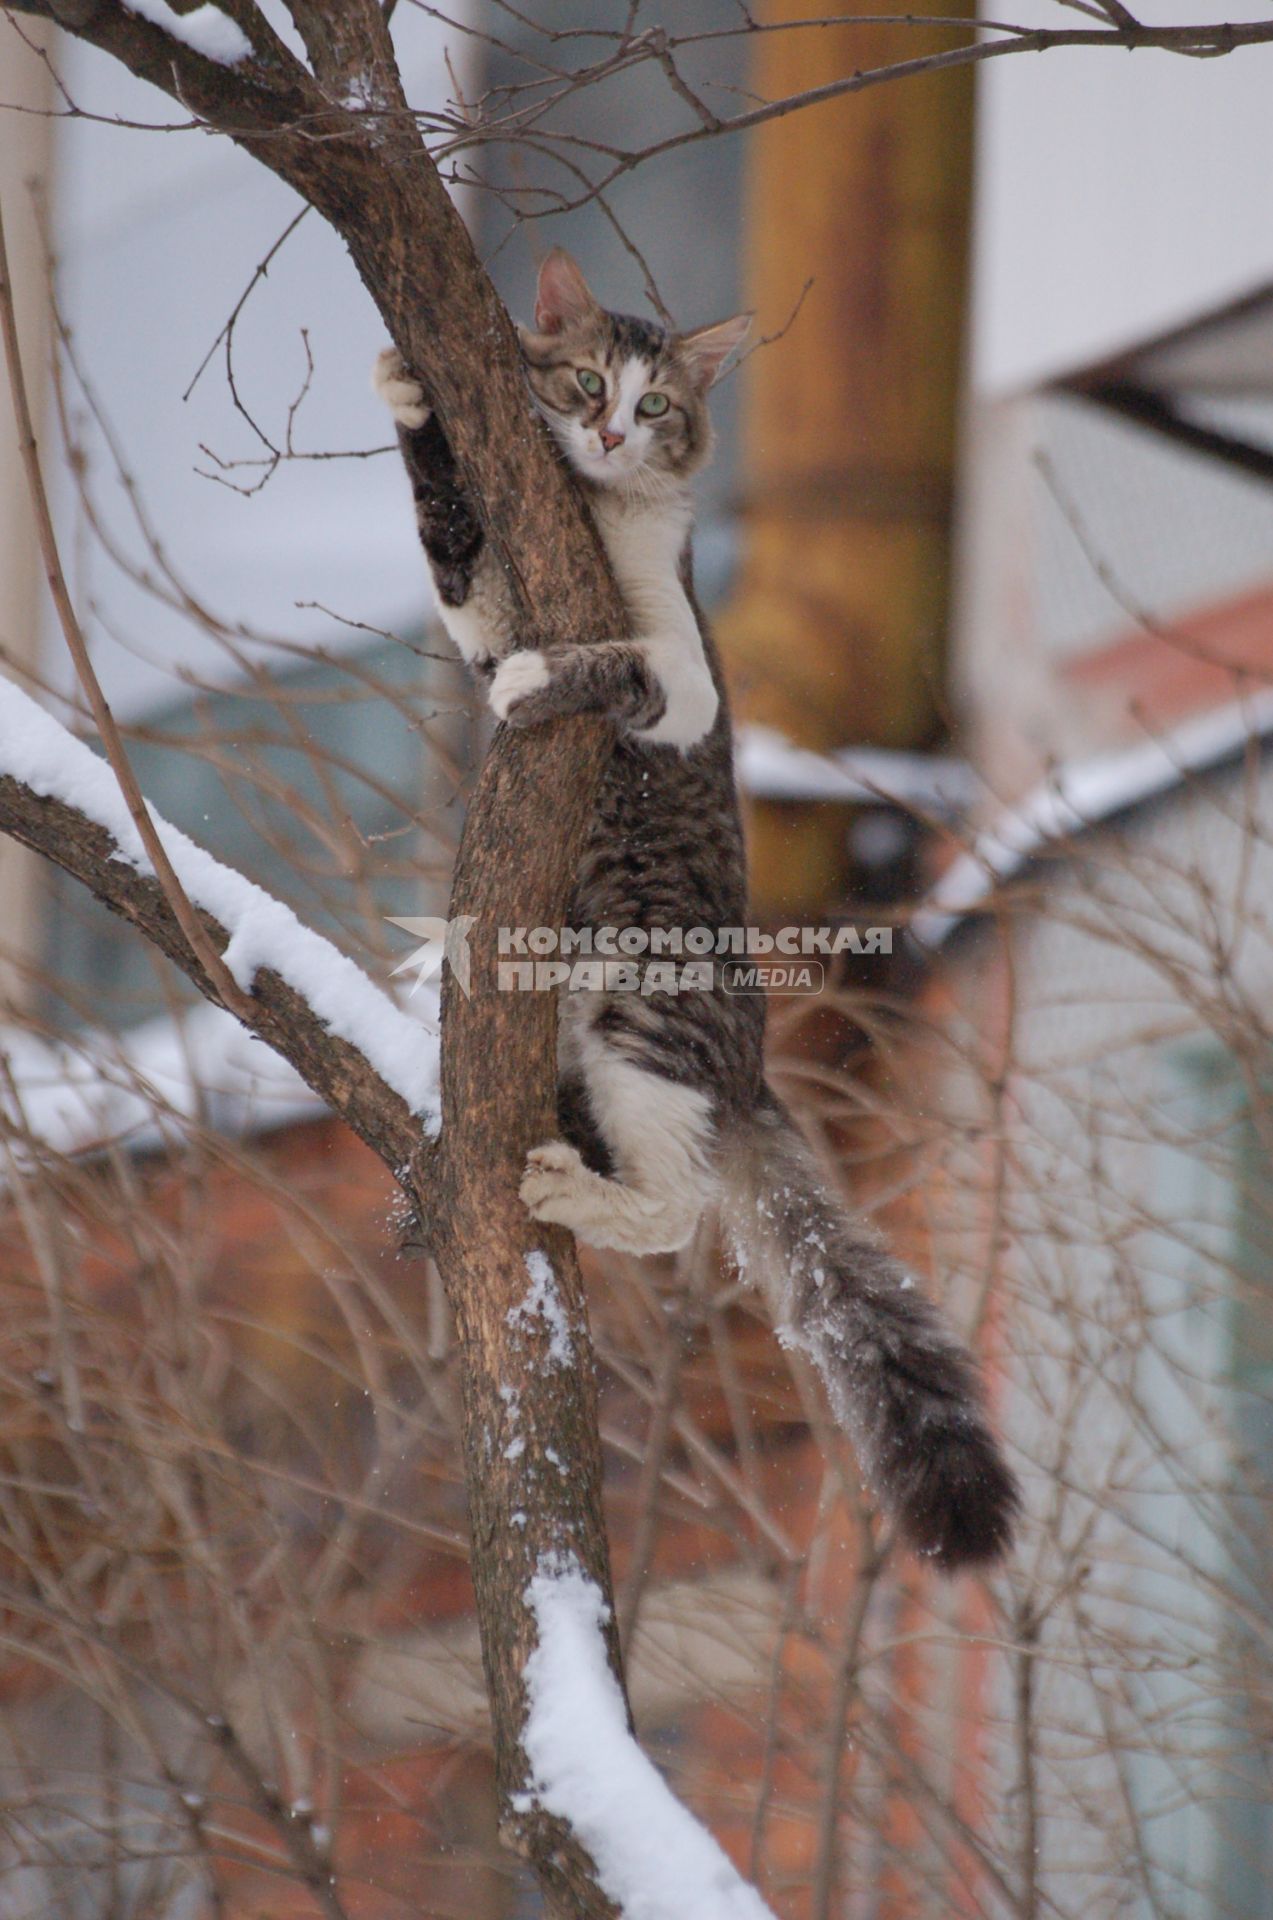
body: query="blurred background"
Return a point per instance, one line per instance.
(988, 547)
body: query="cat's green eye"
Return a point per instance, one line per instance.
(651, 405)
(591, 382)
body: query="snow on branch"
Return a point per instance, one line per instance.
(42, 756)
(204, 30)
(652, 1857)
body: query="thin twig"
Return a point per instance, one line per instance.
(228, 989)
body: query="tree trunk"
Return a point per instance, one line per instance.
(368, 173)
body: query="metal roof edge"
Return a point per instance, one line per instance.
(1080, 796)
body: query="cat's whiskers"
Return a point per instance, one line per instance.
(651, 487)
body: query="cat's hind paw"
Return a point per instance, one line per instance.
(555, 1182)
(399, 389)
(516, 679)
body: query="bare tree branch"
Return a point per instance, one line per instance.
(520, 108)
(344, 138)
(334, 1068)
(214, 967)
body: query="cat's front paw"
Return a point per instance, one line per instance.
(398, 387)
(516, 679)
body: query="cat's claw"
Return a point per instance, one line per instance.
(516, 679)
(399, 389)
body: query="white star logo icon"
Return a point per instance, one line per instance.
(443, 940)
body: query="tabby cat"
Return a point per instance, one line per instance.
(664, 1109)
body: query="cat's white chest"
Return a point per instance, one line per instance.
(644, 546)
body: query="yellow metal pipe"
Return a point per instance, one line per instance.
(836, 632)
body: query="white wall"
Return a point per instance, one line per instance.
(1117, 193)
(158, 236)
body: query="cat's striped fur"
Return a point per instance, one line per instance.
(664, 1107)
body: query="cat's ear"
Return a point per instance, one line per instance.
(706, 350)
(563, 297)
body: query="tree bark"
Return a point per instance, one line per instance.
(368, 173)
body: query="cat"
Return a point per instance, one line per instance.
(664, 1110)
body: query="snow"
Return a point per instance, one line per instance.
(543, 1302)
(653, 1858)
(43, 756)
(74, 1095)
(206, 30)
(1082, 795)
(770, 767)
(101, 1088)
(362, 94)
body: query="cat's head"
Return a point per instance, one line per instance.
(624, 398)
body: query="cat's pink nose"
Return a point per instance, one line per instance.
(609, 439)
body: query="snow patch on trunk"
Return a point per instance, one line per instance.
(543, 1302)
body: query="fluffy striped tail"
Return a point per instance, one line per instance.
(899, 1382)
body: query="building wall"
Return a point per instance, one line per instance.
(158, 236)
(1076, 530)
(1112, 203)
(1108, 1152)
(1114, 197)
